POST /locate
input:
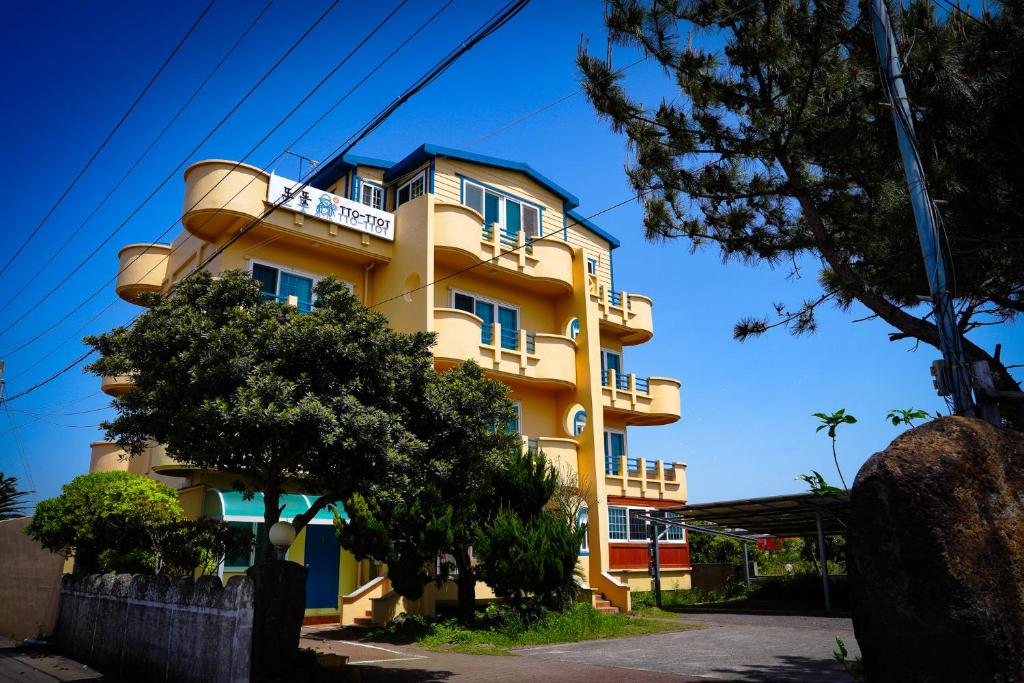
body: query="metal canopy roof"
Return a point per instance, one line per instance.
(790, 515)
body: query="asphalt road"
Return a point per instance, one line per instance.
(732, 647)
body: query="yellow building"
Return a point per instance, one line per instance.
(491, 256)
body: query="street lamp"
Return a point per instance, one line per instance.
(281, 536)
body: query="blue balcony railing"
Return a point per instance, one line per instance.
(505, 238)
(612, 465)
(643, 384)
(531, 342)
(509, 338)
(532, 446)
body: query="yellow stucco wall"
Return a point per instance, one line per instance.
(397, 279)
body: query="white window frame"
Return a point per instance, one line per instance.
(518, 407)
(293, 271)
(420, 176)
(645, 539)
(505, 197)
(235, 569)
(625, 440)
(612, 352)
(486, 299)
(376, 189)
(592, 265)
(583, 517)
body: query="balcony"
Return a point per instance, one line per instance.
(642, 478)
(116, 385)
(542, 359)
(627, 315)
(559, 452)
(107, 456)
(141, 268)
(161, 463)
(461, 240)
(639, 400)
(224, 197)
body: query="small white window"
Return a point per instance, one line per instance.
(373, 195)
(592, 266)
(617, 524)
(413, 188)
(582, 518)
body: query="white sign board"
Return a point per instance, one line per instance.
(332, 208)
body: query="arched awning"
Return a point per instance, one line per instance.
(230, 506)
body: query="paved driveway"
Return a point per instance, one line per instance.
(732, 647)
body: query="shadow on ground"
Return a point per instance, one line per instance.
(789, 668)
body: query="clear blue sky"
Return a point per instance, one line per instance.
(75, 67)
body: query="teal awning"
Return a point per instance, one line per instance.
(230, 506)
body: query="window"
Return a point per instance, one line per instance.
(574, 328)
(242, 561)
(637, 525)
(277, 284)
(491, 311)
(612, 360)
(614, 448)
(412, 189)
(591, 266)
(510, 214)
(373, 195)
(579, 422)
(515, 425)
(582, 518)
(617, 524)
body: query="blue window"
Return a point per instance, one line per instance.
(617, 524)
(614, 447)
(574, 328)
(579, 422)
(510, 214)
(277, 285)
(489, 311)
(515, 425)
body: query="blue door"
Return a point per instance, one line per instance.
(323, 555)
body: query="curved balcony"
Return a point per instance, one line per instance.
(640, 401)
(460, 240)
(161, 463)
(542, 359)
(627, 315)
(223, 197)
(116, 385)
(141, 268)
(561, 453)
(642, 478)
(107, 456)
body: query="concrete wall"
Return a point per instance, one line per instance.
(136, 628)
(712, 577)
(29, 583)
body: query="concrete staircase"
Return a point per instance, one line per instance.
(366, 620)
(603, 604)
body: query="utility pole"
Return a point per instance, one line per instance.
(956, 369)
(654, 530)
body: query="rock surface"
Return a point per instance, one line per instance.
(936, 555)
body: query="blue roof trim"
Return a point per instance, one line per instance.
(613, 242)
(333, 170)
(429, 151)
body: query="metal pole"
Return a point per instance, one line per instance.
(746, 565)
(824, 562)
(655, 564)
(924, 213)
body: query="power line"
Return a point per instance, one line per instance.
(139, 159)
(173, 172)
(110, 135)
(962, 11)
(498, 20)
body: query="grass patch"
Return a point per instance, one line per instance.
(580, 622)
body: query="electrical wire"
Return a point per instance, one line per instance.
(498, 20)
(239, 162)
(174, 171)
(117, 126)
(28, 282)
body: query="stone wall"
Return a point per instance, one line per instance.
(136, 628)
(29, 583)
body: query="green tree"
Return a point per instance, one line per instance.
(776, 142)
(188, 546)
(12, 501)
(107, 520)
(231, 382)
(452, 487)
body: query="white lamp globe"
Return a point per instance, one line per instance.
(282, 534)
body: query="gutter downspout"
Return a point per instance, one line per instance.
(366, 282)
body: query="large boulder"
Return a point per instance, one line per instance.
(936, 550)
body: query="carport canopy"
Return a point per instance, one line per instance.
(233, 506)
(794, 514)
